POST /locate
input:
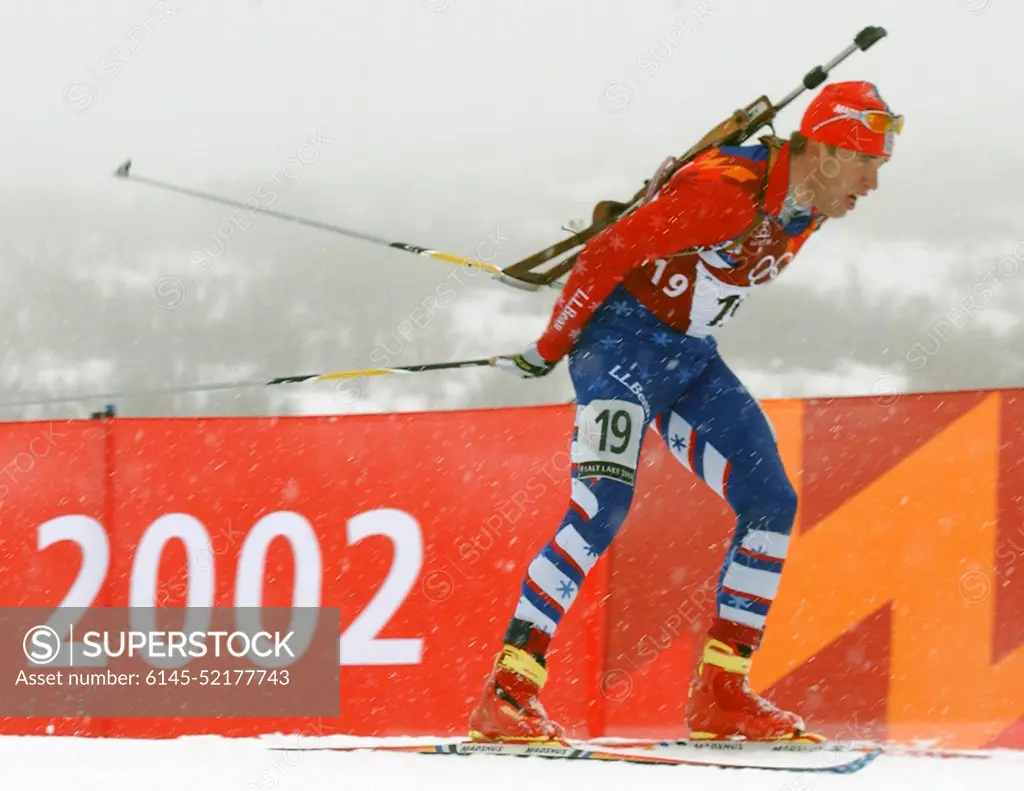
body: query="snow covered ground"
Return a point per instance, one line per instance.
(215, 764)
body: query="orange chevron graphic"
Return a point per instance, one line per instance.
(714, 165)
(738, 173)
(923, 537)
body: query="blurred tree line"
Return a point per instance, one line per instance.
(135, 289)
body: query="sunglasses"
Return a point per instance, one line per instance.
(877, 121)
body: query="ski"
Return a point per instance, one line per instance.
(903, 751)
(767, 756)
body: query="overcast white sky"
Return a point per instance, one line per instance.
(488, 104)
(214, 89)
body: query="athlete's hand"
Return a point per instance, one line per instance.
(527, 365)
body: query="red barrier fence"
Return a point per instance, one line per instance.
(899, 615)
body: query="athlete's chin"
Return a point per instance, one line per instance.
(840, 207)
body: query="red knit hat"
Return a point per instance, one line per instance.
(852, 115)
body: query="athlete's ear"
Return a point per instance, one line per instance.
(815, 152)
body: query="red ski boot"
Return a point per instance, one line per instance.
(722, 706)
(509, 710)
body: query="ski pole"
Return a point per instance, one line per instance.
(355, 373)
(125, 172)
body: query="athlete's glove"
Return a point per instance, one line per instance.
(528, 365)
